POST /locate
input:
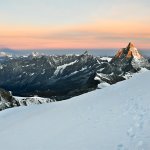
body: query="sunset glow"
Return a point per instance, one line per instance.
(69, 24)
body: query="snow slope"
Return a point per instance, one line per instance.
(114, 118)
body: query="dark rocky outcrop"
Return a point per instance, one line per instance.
(7, 100)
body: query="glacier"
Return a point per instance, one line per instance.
(114, 118)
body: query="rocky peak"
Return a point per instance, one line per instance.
(129, 59)
(133, 52)
(35, 54)
(130, 45)
(128, 53)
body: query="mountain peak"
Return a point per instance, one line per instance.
(34, 54)
(132, 52)
(129, 52)
(130, 45)
(85, 53)
(129, 57)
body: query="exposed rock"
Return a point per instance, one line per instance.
(129, 59)
(7, 100)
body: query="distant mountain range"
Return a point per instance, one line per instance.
(60, 77)
(95, 52)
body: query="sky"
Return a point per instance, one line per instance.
(31, 24)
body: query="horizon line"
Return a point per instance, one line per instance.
(38, 49)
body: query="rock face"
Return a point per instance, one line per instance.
(129, 59)
(129, 52)
(7, 100)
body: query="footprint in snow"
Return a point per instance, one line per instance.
(120, 147)
(130, 133)
(140, 145)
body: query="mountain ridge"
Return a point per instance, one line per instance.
(59, 77)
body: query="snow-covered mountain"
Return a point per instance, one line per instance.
(7, 100)
(3, 54)
(129, 59)
(51, 76)
(60, 77)
(66, 75)
(123, 65)
(114, 118)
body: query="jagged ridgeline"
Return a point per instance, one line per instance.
(129, 59)
(65, 76)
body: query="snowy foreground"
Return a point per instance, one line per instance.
(114, 118)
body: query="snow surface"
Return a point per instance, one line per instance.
(103, 85)
(61, 68)
(129, 75)
(106, 58)
(114, 118)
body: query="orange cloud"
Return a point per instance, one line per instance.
(91, 35)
